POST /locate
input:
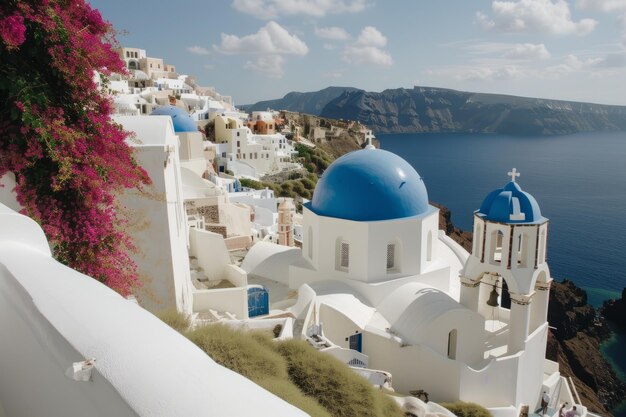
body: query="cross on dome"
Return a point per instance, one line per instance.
(513, 173)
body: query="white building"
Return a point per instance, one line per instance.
(381, 281)
(72, 347)
(247, 154)
(157, 218)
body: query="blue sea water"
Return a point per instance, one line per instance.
(578, 180)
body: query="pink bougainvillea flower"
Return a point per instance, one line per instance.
(12, 31)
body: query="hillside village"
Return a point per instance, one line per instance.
(361, 271)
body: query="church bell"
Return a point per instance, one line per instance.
(493, 298)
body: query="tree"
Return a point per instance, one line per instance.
(69, 159)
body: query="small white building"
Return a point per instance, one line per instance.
(248, 154)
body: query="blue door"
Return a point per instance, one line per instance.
(356, 342)
(258, 301)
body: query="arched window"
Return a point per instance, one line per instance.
(478, 236)
(497, 237)
(542, 247)
(452, 344)
(391, 256)
(342, 255)
(522, 250)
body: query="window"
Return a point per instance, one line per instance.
(496, 247)
(429, 246)
(522, 250)
(238, 142)
(391, 256)
(452, 344)
(237, 135)
(344, 255)
(356, 342)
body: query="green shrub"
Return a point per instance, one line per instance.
(462, 409)
(246, 182)
(286, 390)
(177, 321)
(239, 352)
(341, 391)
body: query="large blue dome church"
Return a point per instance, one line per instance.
(370, 185)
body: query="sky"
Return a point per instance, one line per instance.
(262, 49)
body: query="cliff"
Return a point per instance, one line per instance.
(575, 345)
(426, 109)
(615, 311)
(309, 103)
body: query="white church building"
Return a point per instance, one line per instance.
(384, 283)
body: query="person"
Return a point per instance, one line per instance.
(545, 399)
(562, 409)
(572, 412)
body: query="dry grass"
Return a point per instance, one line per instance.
(462, 409)
(175, 320)
(335, 386)
(315, 382)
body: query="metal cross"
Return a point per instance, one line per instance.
(513, 173)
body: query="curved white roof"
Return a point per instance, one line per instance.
(412, 308)
(197, 187)
(141, 364)
(269, 260)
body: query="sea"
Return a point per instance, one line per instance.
(578, 180)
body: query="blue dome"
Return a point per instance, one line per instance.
(510, 205)
(369, 185)
(181, 120)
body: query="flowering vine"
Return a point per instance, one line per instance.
(69, 159)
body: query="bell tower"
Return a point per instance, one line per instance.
(508, 254)
(286, 211)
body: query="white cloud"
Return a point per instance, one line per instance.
(209, 67)
(371, 36)
(602, 5)
(528, 51)
(368, 49)
(272, 9)
(333, 74)
(268, 65)
(329, 46)
(508, 72)
(333, 32)
(198, 50)
(270, 39)
(531, 16)
(523, 51)
(357, 54)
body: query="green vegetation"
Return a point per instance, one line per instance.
(462, 409)
(296, 186)
(315, 160)
(341, 391)
(175, 320)
(313, 381)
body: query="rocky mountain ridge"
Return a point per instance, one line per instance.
(428, 109)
